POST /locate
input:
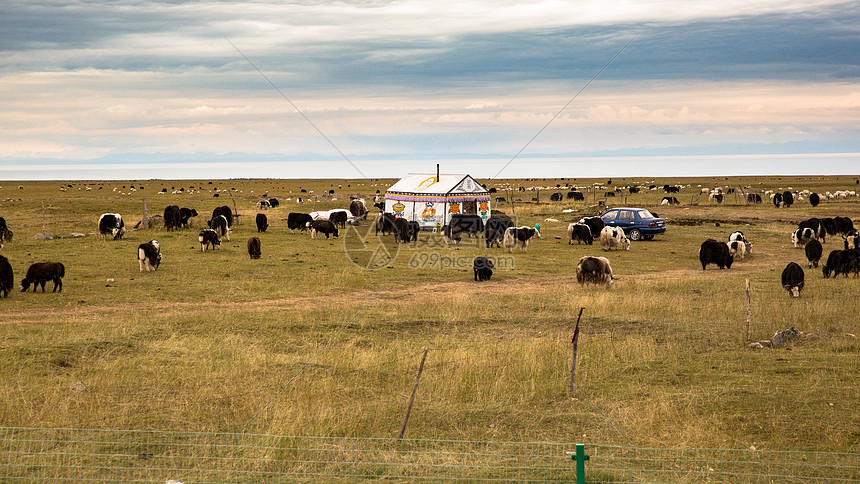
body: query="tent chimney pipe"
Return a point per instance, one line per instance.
(437, 172)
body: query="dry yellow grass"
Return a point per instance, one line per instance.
(302, 342)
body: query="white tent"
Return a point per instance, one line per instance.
(423, 198)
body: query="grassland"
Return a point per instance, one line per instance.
(303, 342)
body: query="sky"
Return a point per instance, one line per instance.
(372, 88)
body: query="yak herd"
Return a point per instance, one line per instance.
(499, 230)
(809, 235)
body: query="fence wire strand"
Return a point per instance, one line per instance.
(82, 455)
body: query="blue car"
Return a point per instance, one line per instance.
(637, 223)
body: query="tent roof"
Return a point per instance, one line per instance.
(425, 183)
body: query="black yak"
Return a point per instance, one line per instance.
(7, 278)
(483, 269)
(792, 278)
(262, 222)
(813, 251)
(254, 247)
(41, 272)
(713, 252)
(594, 270)
(580, 233)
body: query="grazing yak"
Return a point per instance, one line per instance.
(413, 229)
(470, 224)
(483, 269)
(451, 234)
(401, 230)
(832, 264)
(594, 270)
(669, 201)
(787, 199)
(220, 225)
(814, 199)
(172, 217)
(185, 215)
(519, 237)
(273, 202)
(263, 205)
(322, 226)
(819, 230)
(843, 225)
(7, 278)
(713, 252)
(580, 233)
(358, 208)
(262, 222)
(298, 221)
(829, 225)
(555, 197)
(149, 255)
(777, 200)
(338, 218)
(595, 224)
(576, 196)
(5, 233)
(254, 247)
(792, 278)
(41, 272)
(492, 236)
(739, 236)
(496, 226)
(737, 249)
(614, 238)
(801, 236)
(384, 223)
(849, 261)
(111, 223)
(209, 237)
(334, 216)
(813, 251)
(226, 212)
(753, 198)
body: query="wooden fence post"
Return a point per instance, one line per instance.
(573, 360)
(748, 310)
(235, 209)
(412, 398)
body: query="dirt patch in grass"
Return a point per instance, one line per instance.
(696, 221)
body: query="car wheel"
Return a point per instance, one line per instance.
(635, 235)
(648, 237)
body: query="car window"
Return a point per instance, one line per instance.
(609, 216)
(625, 215)
(645, 214)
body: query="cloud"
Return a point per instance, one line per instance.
(380, 78)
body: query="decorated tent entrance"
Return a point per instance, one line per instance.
(430, 199)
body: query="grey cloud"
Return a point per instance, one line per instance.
(823, 45)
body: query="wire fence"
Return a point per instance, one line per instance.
(80, 455)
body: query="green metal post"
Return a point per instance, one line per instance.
(580, 459)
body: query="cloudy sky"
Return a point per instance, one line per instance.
(171, 89)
